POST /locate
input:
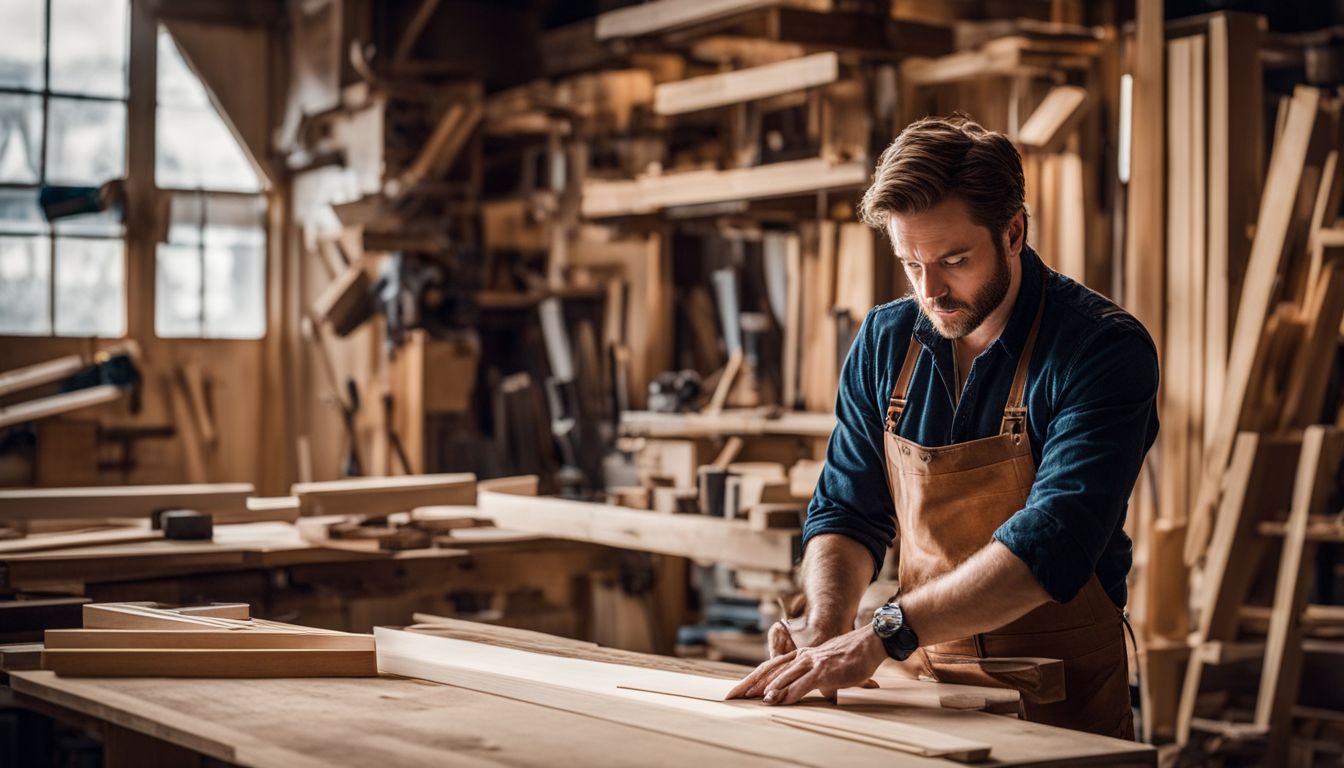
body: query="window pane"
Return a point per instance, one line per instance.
(87, 141)
(25, 264)
(19, 212)
(100, 224)
(90, 287)
(177, 83)
(88, 47)
(20, 138)
(195, 149)
(177, 292)
(235, 283)
(22, 34)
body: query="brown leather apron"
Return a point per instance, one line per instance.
(949, 501)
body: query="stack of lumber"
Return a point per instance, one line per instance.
(1244, 297)
(144, 640)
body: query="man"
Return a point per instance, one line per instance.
(996, 420)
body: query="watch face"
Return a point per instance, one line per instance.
(887, 619)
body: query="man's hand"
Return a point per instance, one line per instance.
(791, 634)
(841, 662)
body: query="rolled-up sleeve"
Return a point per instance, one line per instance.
(1105, 421)
(852, 497)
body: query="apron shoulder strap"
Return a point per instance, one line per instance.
(901, 392)
(1015, 410)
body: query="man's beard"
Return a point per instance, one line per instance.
(973, 314)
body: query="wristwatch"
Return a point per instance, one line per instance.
(897, 636)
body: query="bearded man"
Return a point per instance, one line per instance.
(993, 423)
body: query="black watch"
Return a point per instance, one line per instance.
(896, 635)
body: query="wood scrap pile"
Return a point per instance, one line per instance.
(146, 640)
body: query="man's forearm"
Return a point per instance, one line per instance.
(835, 573)
(990, 589)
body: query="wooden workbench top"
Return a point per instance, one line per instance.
(399, 721)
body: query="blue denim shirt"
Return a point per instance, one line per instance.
(1092, 415)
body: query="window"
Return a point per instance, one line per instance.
(210, 274)
(63, 92)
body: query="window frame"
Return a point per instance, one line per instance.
(49, 229)
(262, 195)
(139, 262)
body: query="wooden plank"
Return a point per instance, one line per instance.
(793, 309)
(606, 198)
(119, 501)
(743, 85)
(521, 485)
(42, 407)
(89, 538)
(666, 15)
(222, 639)
(897, 736)
(1144, 266)
(921, 693)
(212, 662)
(344, 302)
(729, 422)
(375, 496)
(731, 542)
(1299, 148)
(20, 656)
(594, 689)
(1235, 136)
(820, 374)
(1062, 109)
(19, 379)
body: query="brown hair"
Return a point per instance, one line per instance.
(937, 157)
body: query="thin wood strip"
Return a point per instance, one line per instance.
(59, 639)
(158, 662)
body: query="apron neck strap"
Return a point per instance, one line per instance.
(901, 392)
(1015, 409)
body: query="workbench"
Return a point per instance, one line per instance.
(332, 586)
(400, 721)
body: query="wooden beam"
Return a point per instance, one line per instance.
(605, 198)
(42, 407)
(731, 542)
(1055, 118)
(751, 84)
(120, 501)
(1145, 261)
(376, 496)
(666, 15)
